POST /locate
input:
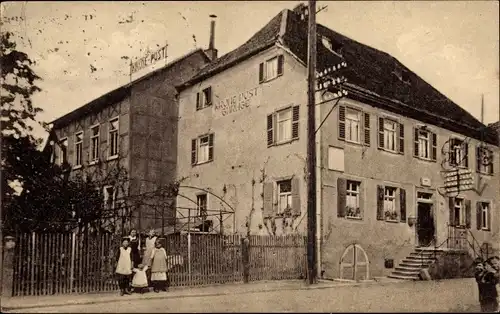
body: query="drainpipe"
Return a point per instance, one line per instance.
(319, 189)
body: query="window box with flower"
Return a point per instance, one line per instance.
(391, 215)
(353, 212)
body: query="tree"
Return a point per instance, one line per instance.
(18, 84)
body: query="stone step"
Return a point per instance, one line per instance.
(416, 265)
(403, 272)
(420, 258)
(429, 249)
(410, 268)
(395, 276)
(422, 254)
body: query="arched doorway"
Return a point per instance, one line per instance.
(354, 264)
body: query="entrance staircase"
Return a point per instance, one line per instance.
(420, 258)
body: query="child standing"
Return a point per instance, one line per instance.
(159, 268)
(124, 267)
(149, 247)
(140, 281)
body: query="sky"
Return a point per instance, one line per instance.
(83, 49)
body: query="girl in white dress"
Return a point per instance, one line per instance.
(140, 281)
(124, 267)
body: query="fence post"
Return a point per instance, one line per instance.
(245, 255)
(8, 266)
(72, 261)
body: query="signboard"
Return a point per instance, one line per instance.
(148, 59)
(458, 180)
(237, 102)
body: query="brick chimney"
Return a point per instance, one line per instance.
(211, 51)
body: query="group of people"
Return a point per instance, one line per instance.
(487, 275)
(137, 272)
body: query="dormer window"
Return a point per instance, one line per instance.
(327, 42)
(402, 74)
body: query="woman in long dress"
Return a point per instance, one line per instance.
(134, 245)
(159, 268)
(124, 267)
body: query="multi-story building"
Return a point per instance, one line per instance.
(387, 152)
(135, 127)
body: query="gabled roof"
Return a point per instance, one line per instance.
(371, 74)
(117, 94)
(263, 39)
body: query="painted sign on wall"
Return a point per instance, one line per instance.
(237, 102)
(148, 59)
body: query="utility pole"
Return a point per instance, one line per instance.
(311, 144)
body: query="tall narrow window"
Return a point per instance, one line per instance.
(78, 148)
(63, 149)
(94, 143)
(284, 122)
(201, 204)
(352, 125)
(390, 212)
(459, 212)
(113, 137)
(424, 144)
(390, 135)
(484, 160)
(271, 68)
(352, 200)
(109, 195)
(485, 217)
(458, 153)
(203, 149)
(284, 196)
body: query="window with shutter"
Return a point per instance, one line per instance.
(367, 129)
(484, 160)
(296, 210)
(380, 202)
(261, 72)
(342, 122)
(281, 64)
(353, 125)
(451, 208)
(270, 129)
(483, 214)
(341, 197)
(479, 216)
(268, 191)
(295, 122)
(204, 98)
(458, 153)
(381, 133)
(283, 126)
(468, 214)
(401, 138)
(202, 149)
(198, 101)
(211, 147)
(284, 189)
(207, 96)
(353, 199)
(416, 148)
(434, 147)
(194, 144)
(402, 204)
